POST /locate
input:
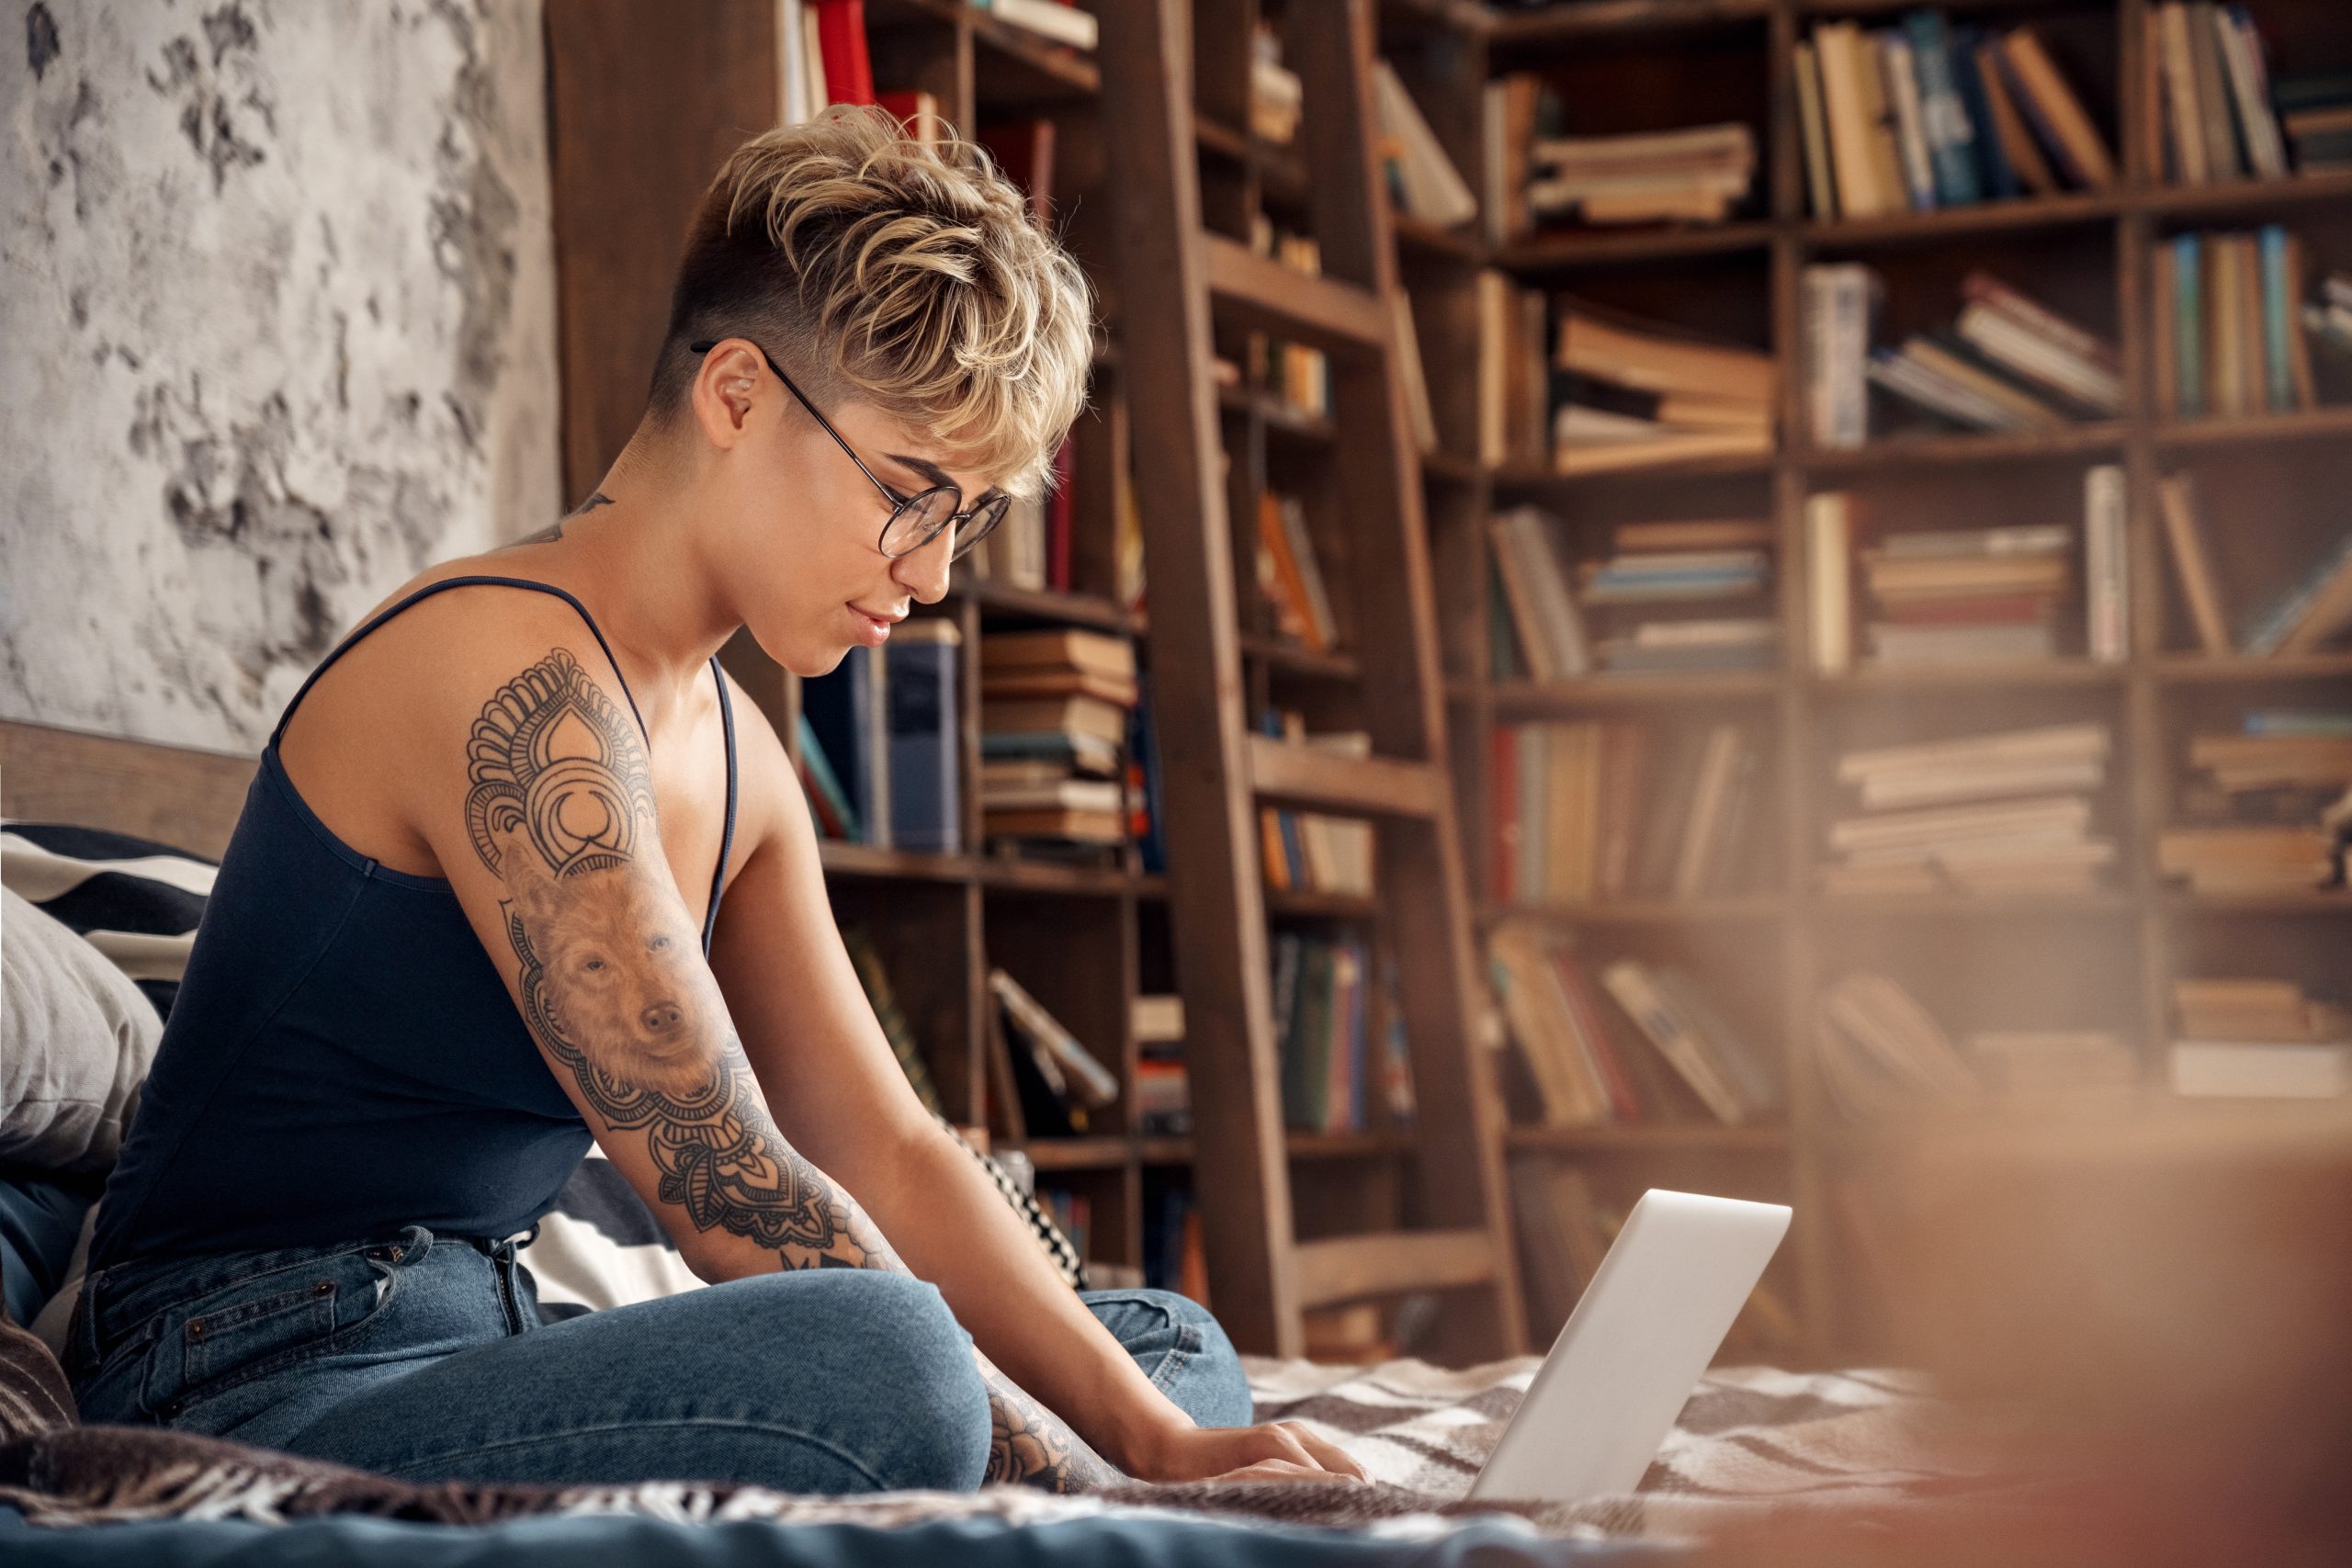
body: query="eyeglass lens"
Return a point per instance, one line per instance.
(924, 516)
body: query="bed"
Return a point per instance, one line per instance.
(1752, 1443)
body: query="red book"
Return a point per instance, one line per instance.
(1503, 808)
(917, 111)
(841, 44)
(1058, 519)
(1024, 152)
(1624, 1102)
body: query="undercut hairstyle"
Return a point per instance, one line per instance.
(877, 269)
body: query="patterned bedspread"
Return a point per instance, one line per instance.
(1749, 1440)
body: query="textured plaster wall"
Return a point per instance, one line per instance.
(277, 329)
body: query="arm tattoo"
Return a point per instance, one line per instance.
(613, 982)
(1030, 1446)
(614, 986)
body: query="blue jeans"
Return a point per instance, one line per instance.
(423, 1358)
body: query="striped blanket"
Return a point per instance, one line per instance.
(1749, 1440)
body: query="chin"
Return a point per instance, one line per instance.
(804, 657)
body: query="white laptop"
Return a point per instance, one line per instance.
(1632, 1352)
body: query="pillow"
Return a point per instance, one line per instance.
(137, 901)
(76, 1039)
(600, 1246)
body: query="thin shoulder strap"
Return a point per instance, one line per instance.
(432, 588)
(727, 833)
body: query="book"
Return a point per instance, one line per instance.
(1434, 190)
(848, 712)
(1828, 542)
(2105, 564)
(1063, 1062)
(2257, 1070)
(926, 809)
(2184, 534)
(840, 41)
(1050, 19)
(875, 980)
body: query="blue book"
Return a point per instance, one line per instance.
(1143, 745)
(2277, 311)
(845, 711)
(2277, 623)
(828, 784)
(1951, 128)
(2288, 722)
(1997, 181)
(925, 809)
(2189, 322)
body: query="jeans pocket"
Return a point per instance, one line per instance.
(260, 1325)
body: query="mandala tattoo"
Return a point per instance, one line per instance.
(614, 986)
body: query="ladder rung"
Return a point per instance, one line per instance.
(1318, 312)
(1347, 1268)
(1304, 775)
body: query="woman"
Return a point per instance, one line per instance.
(468, 921)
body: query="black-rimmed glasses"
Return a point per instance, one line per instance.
(915, 520)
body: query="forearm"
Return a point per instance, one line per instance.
(946, 1218)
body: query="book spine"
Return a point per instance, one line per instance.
(925, 813)
(1997, 181)
(1910, 127)
(1943, 116)
(2277, 309)
(1826, 546)
(2103, 564)
(2187, 305)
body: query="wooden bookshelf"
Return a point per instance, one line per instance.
(2130, 938)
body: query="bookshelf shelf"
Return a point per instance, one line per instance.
(1295, 905)
(1295, 659)
(2308, 424)
(1527, 479)
(1012, 873)
(1558, 251)
(2193, 669)
(844, 859)
(2238, 196)
(1955, 222)
(1970, 906)
(1631, 687)
(1075, 1154)
(1046, 604)
(1900, 452)
(1653, 1137)
(1510, 31)
(2318, 901)
(1644, 911)
(2010, 673)
(1283, 422)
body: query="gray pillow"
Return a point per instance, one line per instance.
(76, 1039)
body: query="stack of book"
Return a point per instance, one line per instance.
(2071, 1064)
(2008, 363)
(1163, 1094)
(1057, 21)
(1640, 393)
(2214, 98)
(1276, 95)
(1950, 596)
(1054, 708)
(2259, 1038)
(877, 743)
(1694, 175)
(2263, 807)
(1687, 1061)
(1299, 376)
(1927, 115)
(1589, 811)
(1422, 181)
(2312, 611)
(1883, 1054)
(1662, 597)
(2229, 323)
(1333, 1068)
(1057, 1081)
(2003, 813)
(2316, 111)
(1311, 851)
(1290, 573)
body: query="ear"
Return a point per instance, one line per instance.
(527, 879)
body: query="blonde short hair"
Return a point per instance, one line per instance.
(878, 270)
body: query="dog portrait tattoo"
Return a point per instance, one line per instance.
(613, 980)
(613, 985)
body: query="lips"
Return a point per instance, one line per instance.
(873, 631)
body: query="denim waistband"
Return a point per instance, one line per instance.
(116, 1300)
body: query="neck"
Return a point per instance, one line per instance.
(636, 555)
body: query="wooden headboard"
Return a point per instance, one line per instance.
(174, 794)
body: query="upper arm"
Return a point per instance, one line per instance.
(539, 802)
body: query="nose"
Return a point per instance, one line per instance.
(923, 572)
(663, 1017)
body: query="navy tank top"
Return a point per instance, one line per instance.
(343, 1059)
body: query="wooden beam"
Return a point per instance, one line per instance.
(1378, 786)
(1258, 291)
(174, 794)
(1354, 1268)
(1209, 821)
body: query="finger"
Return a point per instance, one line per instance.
(1334, 1458)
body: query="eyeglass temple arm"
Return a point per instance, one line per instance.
(895, 498)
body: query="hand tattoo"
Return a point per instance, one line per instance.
(614, 986)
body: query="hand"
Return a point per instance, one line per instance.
(1277, 1451)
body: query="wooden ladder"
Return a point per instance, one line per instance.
(1174, 278)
